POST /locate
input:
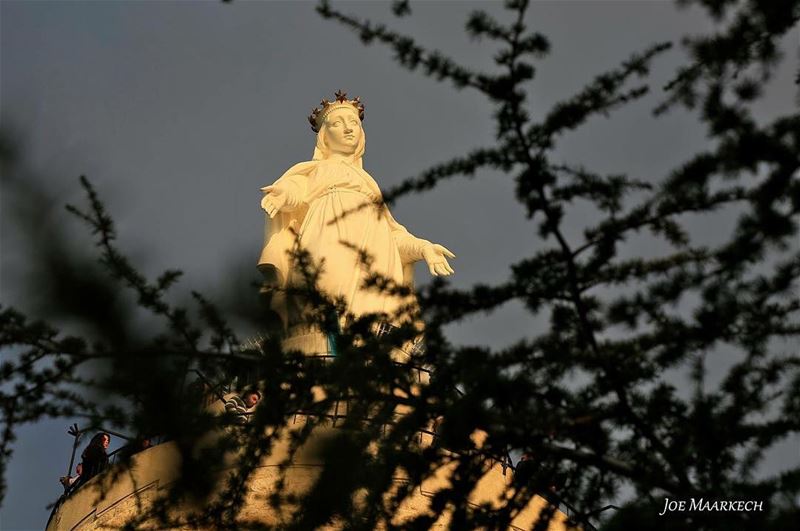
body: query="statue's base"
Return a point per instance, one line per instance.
(309, 340)
(131, 493)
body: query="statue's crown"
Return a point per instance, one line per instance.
(318, 114)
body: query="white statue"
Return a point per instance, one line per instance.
(333, 209)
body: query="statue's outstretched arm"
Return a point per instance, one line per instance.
(413, 249)
(286, 194)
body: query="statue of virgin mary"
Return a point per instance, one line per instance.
(331, 208)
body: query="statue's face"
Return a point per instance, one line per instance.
(343, 131)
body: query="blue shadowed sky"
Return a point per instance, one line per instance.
(179, 112)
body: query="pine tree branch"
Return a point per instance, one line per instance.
(407, 52)
(150, 296)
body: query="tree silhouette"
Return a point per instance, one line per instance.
(592, 400)
(625, 421)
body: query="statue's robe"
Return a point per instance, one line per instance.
(334, 211)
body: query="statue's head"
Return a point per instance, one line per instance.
(341, 133)
(338, 127)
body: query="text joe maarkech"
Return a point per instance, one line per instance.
(703, 505)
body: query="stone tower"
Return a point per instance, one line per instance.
(109, 500)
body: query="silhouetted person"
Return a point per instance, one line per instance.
(525, 468)
(95, 458)
(134, 447)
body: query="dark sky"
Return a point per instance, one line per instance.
(179, 112)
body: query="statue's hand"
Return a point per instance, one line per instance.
(434, 255)
(273, 200)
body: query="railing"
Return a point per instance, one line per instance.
(120, 453)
